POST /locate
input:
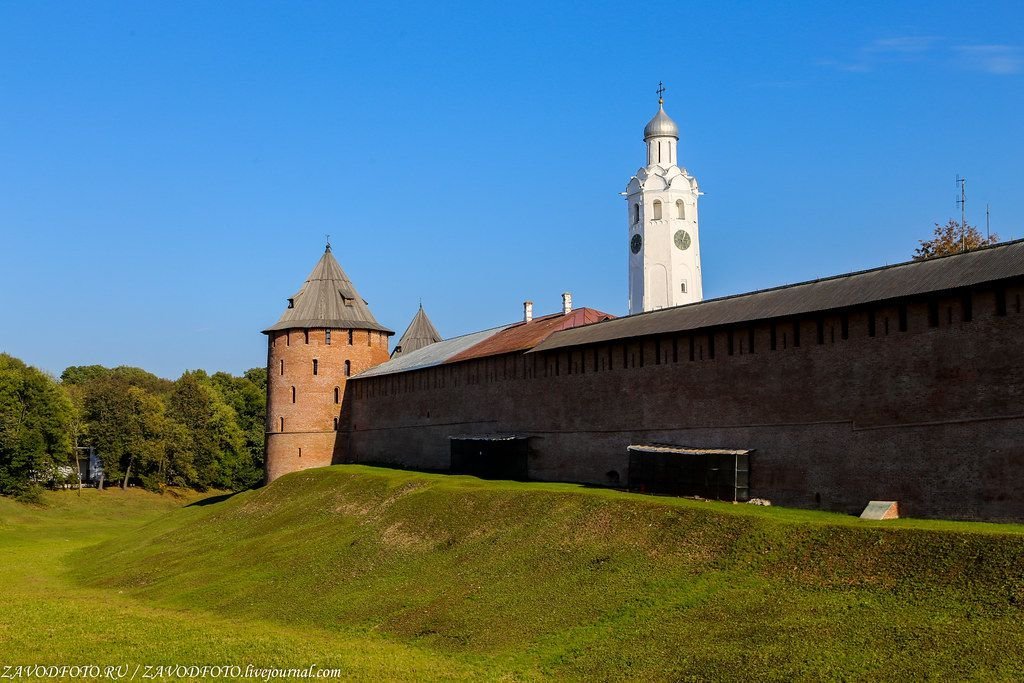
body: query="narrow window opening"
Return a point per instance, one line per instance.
(831, 334)
(657, 209)
(282, 424)
(282, 366)
(293, 394)
(305, 335)
(693, 354)
(886, 325)
(901, 312)
(682, 286)
(933, 313)
(675, 349)
(750, 340)
(369, 338)
(300, 452)
(641, 354)
(772, 340)
(729, 343)
(968, 305)
(711, 346)
(785, 341)
(291, 303)
(796, 333)
(316, 366)
(821, 331)
(871, 323)
(337, 395)
(680, 209)
(636, 213)
(288, 338)
(350, 337)
(335, 424)
(949, 315)
(844, 326)
(657, 352)
(1000, 302)
(327, 337)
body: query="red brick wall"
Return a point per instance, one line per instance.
(309, 437)
(932, 416)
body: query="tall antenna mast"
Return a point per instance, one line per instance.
(988, 220)
(962, 201)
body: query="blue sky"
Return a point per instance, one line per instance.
(168, 170)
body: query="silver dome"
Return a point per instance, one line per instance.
(661, 126)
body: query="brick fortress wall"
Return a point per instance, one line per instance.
(303, 408)
(920, 401)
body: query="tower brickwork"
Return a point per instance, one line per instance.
(664, 240)
(326, 335)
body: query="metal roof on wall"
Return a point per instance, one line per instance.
(913, 278)
(526, 335)
(429, 356)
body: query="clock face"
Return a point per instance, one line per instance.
(682, 239)
(636, 243)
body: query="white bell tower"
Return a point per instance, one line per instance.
(664, 242)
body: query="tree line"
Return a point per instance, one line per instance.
(200, 431)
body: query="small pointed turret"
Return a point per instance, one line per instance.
(421, 332)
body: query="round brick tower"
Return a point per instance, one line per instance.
(326, 335)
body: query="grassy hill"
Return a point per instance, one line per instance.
(497, 579)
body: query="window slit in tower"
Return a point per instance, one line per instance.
(293, 394)
(305, 336)
(316, 366)
(350, 337)
(337, 395)
(282, 424)
(327, 337)
(282, 366)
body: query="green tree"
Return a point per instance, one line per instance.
(35, 439)
(216, 442)
(247, 396)
(127, 426)
(952, 238)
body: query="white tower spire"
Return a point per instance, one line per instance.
(664, 244)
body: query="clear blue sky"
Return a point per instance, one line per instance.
(168, 170)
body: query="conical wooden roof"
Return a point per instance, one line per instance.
(328, 299)
(421, 332)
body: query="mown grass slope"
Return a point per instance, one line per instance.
(47, 619)
(548, 579)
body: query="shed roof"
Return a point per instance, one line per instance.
(684, 450)
(913, 278)
(327, 299)
(421, 332)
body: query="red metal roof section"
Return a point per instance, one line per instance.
(525, 336)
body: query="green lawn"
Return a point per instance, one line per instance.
(396, 574)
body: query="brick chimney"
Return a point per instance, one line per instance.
(566, 303)
(527, 311)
